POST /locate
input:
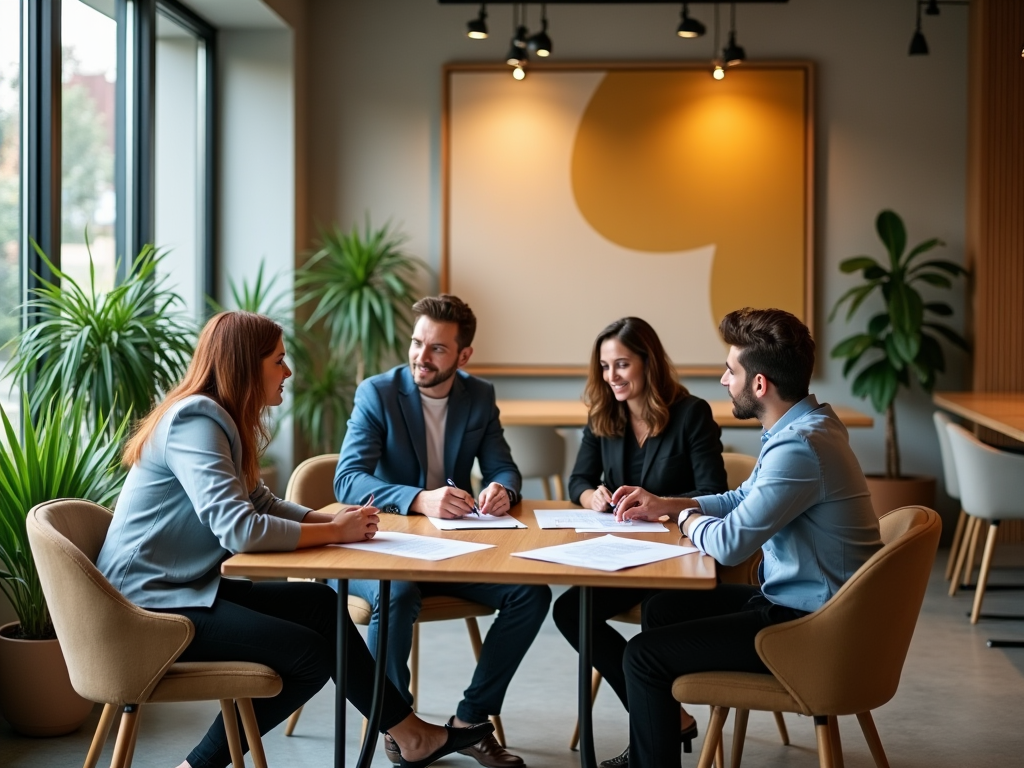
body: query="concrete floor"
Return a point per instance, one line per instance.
(959, 703)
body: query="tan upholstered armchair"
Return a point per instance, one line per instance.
(121, 655)
(844, 659)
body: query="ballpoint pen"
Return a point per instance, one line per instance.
(476, 509)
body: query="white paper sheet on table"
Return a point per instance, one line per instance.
(475, 522)
(418, 547)
(608, 553)
(589, 521)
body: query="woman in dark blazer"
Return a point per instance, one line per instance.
(644, 429)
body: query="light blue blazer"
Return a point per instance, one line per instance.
(185, 508)
(385, 447)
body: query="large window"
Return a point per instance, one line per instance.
(10, 190)
(89, 85)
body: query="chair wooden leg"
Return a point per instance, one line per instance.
(954, 548)
(836, 742)
(252, 732)
(595, 684)
(125, 735)
(986, 564)
(739, 733)
(499, 730)
(546, 485)
(961, 556)
(414, 663)
(135, 737)
(559, 488)
(227, 711)
(867, 727)
(822, 731)
(972, 553)
(362, 730)
(713, 738)
(780, 723)
(99, 739)
(293, 720)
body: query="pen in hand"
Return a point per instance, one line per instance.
(475, 510)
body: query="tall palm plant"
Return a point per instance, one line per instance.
(361, 286)
(62, 455)
(118, 350)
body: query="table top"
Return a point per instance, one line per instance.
(494, 566)
(1002, 412)
(573, 413)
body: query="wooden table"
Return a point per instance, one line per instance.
(1001, 412)
(496, 566)
(573, 413)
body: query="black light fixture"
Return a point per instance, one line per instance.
(477, 28)
(733, 54)
(717, 68)
(688, 27)
(540, 42)
(932, 9)
(918, 45)
(517, 53)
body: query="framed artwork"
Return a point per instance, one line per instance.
(586, 193)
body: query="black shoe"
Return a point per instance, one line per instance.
(458, 738)
(622, 761)
(688, 736)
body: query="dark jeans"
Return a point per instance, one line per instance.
(687, 631)
(290, 627)
(608, 645)
(521, 611)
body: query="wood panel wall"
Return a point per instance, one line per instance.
(995, 203)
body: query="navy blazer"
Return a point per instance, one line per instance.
(684, 460)
(385, 447)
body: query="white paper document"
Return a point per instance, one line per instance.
(475, 522)
(608, 553)
(589, 521)
(418, 547)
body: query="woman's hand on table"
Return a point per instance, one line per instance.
(599, 499)
(348, 525)
(494, 500)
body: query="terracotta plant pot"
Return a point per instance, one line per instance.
(889, 493)
(36, 696)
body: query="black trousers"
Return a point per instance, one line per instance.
(687, 631)
(608, 645)
(292, 628)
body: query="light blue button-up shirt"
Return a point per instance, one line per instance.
(806, 505)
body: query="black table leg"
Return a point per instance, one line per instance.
(379, 676)
(587, 757)
(341, 686)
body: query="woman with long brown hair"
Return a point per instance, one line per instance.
(644, 429)
(193, 497)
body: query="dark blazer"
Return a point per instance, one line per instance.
(684, 460)
(385, 447)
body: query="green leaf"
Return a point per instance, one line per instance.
(938, 308)
(933, 279)
(854, 346)
(950, 335)
(857, 263)
(893, 234)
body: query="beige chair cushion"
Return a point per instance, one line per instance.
(207, 681)
(312, 482)
(741, 690)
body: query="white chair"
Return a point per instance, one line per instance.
(539, 452)
(991, 489)
(952, 487)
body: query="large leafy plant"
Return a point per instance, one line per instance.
(62, 455)
(902, 342)
(119, 350)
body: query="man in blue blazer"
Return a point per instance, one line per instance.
(412, 430)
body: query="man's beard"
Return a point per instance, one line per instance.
(439, 377)
(746, 406)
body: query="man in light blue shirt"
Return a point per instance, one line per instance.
(806, 506)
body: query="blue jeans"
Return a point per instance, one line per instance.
(521, 611)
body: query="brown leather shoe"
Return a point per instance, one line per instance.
(391, 750)
(490, 754)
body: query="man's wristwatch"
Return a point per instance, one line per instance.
(511, 495)
(685, 515)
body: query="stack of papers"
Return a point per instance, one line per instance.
(608, 553)
(418, 547)
(589, 521)
(475, 522)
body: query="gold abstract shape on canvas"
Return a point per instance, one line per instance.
(667, 161)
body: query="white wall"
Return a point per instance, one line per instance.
(257, 169)
(891, 132)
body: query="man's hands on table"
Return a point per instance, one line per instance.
(634, 503)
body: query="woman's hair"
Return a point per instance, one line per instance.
(661, 388)
(227, 367)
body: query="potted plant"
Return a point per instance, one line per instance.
(359, 286)
(118, 350)
(900, 345)
(62, 455)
